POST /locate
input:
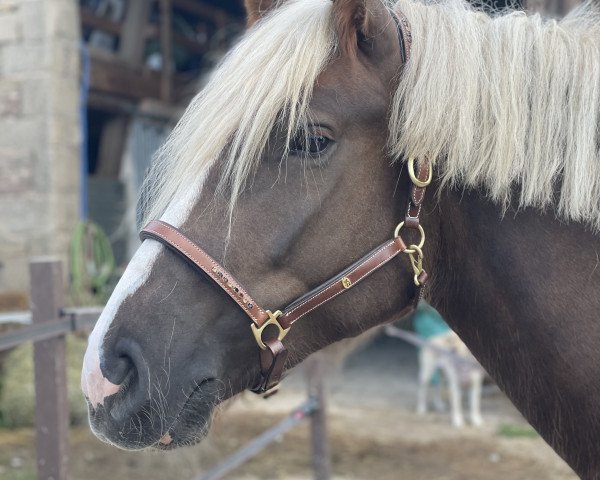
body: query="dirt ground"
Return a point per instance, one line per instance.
(374, 434)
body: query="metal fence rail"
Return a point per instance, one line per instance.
(47, 325)
(313, 408)
(306, 409)
(23, 318)
(73, 321)
(35, 333)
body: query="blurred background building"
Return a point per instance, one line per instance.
(40, 134)
(86, 97)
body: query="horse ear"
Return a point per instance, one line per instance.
(256, 9)
(358, 21)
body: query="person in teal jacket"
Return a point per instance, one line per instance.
(427, 322)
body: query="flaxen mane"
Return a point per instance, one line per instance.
(272, 70)
(508, 102)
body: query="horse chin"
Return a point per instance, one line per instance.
(194, 419)
(188, 426)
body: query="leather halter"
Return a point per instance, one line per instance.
(273, 353)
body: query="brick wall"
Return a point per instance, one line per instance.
(39, 132)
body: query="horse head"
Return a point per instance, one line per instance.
(280, 169)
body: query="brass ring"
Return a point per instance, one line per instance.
(413, 177)
(416, 250)
(420, 244)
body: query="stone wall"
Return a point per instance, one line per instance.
(39, 133)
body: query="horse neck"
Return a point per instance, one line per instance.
(522, 292)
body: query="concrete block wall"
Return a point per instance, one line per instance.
(39, 133)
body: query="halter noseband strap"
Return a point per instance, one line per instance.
(273, 353)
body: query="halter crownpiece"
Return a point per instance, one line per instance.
(404, 34)
(273, 353)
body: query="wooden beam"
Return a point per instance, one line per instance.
(90, 19)
(152, 31)
(112, 104)
(132, 41)
(166, 45)
(117, 78)
(202, 10)
(161, 111)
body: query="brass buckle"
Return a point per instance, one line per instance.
(413, 177)
(258, 331)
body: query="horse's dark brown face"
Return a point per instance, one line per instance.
(170, 345)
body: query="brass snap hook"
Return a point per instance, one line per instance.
(416, 262)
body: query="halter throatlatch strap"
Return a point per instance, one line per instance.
(342, 282)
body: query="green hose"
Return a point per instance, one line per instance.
(92, 264)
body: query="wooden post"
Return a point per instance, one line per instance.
(166, 46)
(52, 406)
(133, 36)
(321, 459)
(552, 8)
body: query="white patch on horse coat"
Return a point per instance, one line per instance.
(93, 383)
(95, 387)
(220, 117)
(166, 439)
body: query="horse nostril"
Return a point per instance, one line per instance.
(124, 365)
(118, 369)
(118, 362)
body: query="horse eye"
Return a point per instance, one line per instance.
(310, 145)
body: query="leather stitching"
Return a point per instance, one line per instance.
(384, 261)
(415, 188)
(322, 292)
(208, 272)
